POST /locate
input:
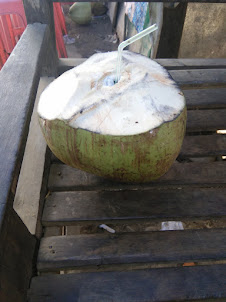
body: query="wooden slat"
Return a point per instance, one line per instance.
(196, 173)
(203, 145)
(154, 285)
(67, 207)
(180, 64)
(65, 178)
(206, 120)
(199, 77)
(27, 201)
(19, 80)
(65, 252)
(205, 98)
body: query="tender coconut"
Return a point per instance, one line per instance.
(87, 96)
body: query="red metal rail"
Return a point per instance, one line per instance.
(13, 23)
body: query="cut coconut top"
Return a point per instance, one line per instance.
(86, 96)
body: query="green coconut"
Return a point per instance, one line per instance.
(130, 131)
(80, 12)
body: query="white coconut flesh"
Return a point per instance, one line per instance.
(86, 96)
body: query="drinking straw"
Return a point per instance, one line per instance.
(129, 41)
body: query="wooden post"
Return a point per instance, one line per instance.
(41, 11)
(171, 33)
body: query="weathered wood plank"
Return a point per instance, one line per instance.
(72, 207)
(195, 173)
(65, 252)
(179, 64)
(199, 77)
(65, 178)
(18, 85)
(62, 252)
(203, 146)
(205, 98)
(153, 285)
(28, 193)
(155, 288)
(206, 120)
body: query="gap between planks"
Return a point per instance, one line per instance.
(131, 267)
(126, 226)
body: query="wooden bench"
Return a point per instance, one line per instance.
(68, 256)
(138, 262)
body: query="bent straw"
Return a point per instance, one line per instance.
(129, 41)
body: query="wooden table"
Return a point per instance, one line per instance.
(78, 261)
